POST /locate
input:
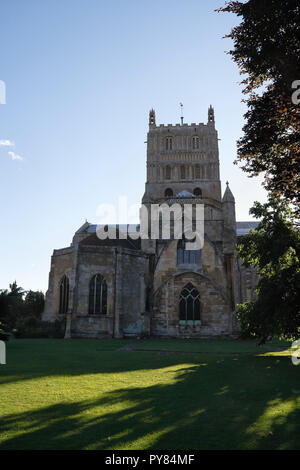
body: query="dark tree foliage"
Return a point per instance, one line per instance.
(267, 52)
(21, 315)
(16, 304)
(11, 305)
(274, 249)
(34, 303)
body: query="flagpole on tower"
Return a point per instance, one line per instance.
(181, 106)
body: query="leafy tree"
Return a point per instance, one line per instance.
(267, 51)
(20, 314)
(34, 303)
(4, 305)
(11, 305)
(17, 305)
(274, 249)
(16, 292)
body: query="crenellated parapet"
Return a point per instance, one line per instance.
(183, 154)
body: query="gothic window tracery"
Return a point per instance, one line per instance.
(189, 304)
(97, 295)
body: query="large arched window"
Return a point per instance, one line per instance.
(64, 295)
(97, 295)
(189, 304)
(185, 256)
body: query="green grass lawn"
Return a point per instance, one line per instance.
(162, 394)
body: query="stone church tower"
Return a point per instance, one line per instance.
(156, 286)
(183, 168)
(182, 157)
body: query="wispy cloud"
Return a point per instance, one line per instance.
(6, 143)
(10, 143)
(14, 156)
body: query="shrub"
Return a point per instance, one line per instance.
(4, 335)
(32, 327)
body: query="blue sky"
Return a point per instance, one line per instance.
(81, 76)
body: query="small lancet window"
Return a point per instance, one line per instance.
(169, 143)
(195, 142)
(168, 172)
(198, 192)
(64, 295)
(168, 192)
(182, 172)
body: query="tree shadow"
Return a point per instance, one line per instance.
(225, 403)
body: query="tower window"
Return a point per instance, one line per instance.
(168, 192)
(182, 172)
(64, 295)
(185, 256)
(97, 295)
(198, 192)
(169, 143)
(168, 172)
(195, 142)
(197, 172)
(189, 304)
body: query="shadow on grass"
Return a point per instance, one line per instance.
(225, 403)
(29, 359)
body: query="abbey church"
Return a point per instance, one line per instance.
(126, 287)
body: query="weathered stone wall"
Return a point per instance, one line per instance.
(200, 162)
(125, 273)
(216, 316)
(209, 277)
(92, 260)
(134, 321)
(63, 262)
(144, 285)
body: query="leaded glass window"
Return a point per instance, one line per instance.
(185, 256)
(189, 304)
(98, 295)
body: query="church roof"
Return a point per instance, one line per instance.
(121, 227)
(242, 228)
(228, 196)
(94, 240)
(185, 193)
